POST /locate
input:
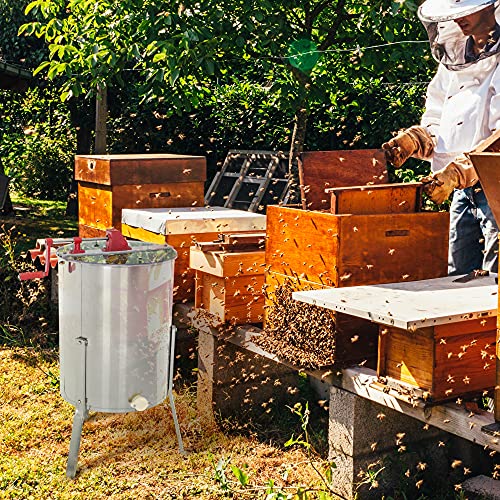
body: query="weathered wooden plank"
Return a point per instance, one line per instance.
(376, 199)
(194, 220)
(450, 417)
(412, 305)
(328, 169)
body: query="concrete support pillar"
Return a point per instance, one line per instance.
(376, 449)
(234, 381)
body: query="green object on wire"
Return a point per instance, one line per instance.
(303, 54)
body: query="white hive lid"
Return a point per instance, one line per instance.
(190, 220)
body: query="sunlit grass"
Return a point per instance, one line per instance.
(130, 455)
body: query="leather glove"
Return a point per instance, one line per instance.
(439, 185)
(414, 141)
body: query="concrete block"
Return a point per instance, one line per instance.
(481, 487)
(233, 381)
(373, 447)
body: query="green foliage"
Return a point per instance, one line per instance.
(21, 51)
(26, 313)
(271, 490)
(37, 145)
(184, 53)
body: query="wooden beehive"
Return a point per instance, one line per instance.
(313, 248)
(376, 199)
(109, 183)
(439, 362)
(182, 228)
(229, 278)
(321, 170)
(349, 250)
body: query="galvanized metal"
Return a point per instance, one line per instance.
(115, 328)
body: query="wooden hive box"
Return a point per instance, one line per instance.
(349, 250)
(229, 278)
(439, 362)
(182, 228)
(308, 249)
(376, 199)
(436, 336)
(109, 183)
(321, 170)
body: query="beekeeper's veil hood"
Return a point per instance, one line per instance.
(449, 45)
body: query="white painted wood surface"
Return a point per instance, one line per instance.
(188, 220)
(414, 304)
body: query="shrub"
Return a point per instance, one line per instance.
(37, 144)
(27, 316)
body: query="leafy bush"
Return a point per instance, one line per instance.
(26, 313)
(37, 145)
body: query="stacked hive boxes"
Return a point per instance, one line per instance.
(109, 183)
(229, 278)
(182, 228)
(314, 249)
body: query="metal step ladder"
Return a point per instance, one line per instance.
(250, 180)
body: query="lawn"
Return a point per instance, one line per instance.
(130, 455)
(36, 219)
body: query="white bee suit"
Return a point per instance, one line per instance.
(462, 109)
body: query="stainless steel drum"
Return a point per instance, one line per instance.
(115, 329)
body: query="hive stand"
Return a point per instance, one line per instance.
(237, 379)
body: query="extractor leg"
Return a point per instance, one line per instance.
(74, 446)
(170, 387)
(81, 412)
(176, 423)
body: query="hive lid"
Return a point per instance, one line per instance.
(414, 304)
(191, 220)
(141, 253)
(139, 169)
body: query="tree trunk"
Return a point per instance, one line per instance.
(7, 208)
(101, 115)
(296, 147)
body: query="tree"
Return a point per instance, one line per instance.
(307, 52)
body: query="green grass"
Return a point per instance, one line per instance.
(36, 219)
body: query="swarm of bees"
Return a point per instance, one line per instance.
(302, 334)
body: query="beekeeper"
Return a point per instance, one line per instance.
(462, 109)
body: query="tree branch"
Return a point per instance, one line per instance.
(339, 17)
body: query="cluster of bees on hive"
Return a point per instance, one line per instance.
(302, 334)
